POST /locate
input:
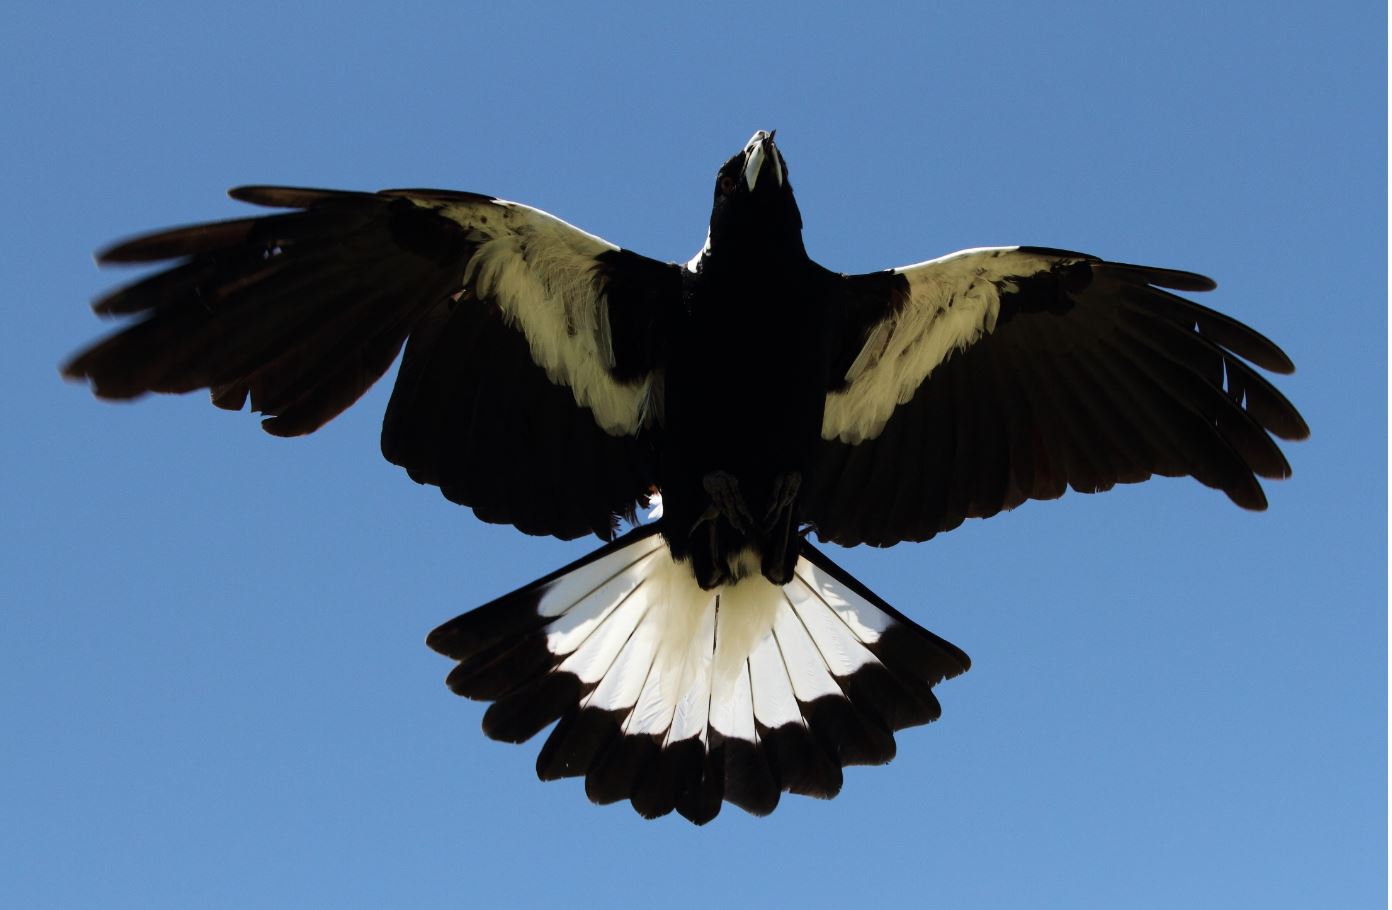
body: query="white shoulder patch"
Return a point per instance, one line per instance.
(541, 273)
(953, 301)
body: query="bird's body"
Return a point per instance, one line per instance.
(553, 381)
(744, 389)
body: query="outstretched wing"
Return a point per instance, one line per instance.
(979, 380)
(530, 358)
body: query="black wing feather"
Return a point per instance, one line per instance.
(1091, 375)
(300, 313)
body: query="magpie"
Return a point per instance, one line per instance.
(558, 383)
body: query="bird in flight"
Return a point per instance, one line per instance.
(557, 383)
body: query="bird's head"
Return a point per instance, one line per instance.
(754, 204)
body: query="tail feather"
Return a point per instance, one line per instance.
(678, 698)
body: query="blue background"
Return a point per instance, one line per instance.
(213, 682)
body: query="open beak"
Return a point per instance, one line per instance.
(760, 154)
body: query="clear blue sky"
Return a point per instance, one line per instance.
(212, 676)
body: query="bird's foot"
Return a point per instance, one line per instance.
(780, 548)
(725, 498)
(780, 502)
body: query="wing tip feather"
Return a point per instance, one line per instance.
(289, 197)
(1173, 279)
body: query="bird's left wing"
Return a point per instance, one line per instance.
(532, 351)
(973, 382)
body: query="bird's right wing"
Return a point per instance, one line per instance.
(531, 361)
(971, 383)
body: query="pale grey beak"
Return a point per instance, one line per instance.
(757, 150)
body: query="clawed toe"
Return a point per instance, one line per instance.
(727, 500)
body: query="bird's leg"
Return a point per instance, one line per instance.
(706, 562)
(725, 499)
(780, 502)
(780, 553)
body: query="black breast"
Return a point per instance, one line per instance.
(745, 387)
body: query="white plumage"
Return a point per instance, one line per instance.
(541, 272)
(681, 660)
(953, 301)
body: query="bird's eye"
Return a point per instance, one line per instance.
(726, 184)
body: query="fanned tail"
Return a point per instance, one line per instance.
(674, 697)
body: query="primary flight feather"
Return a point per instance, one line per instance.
(555, 382)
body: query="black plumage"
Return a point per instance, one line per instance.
(555, 382)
